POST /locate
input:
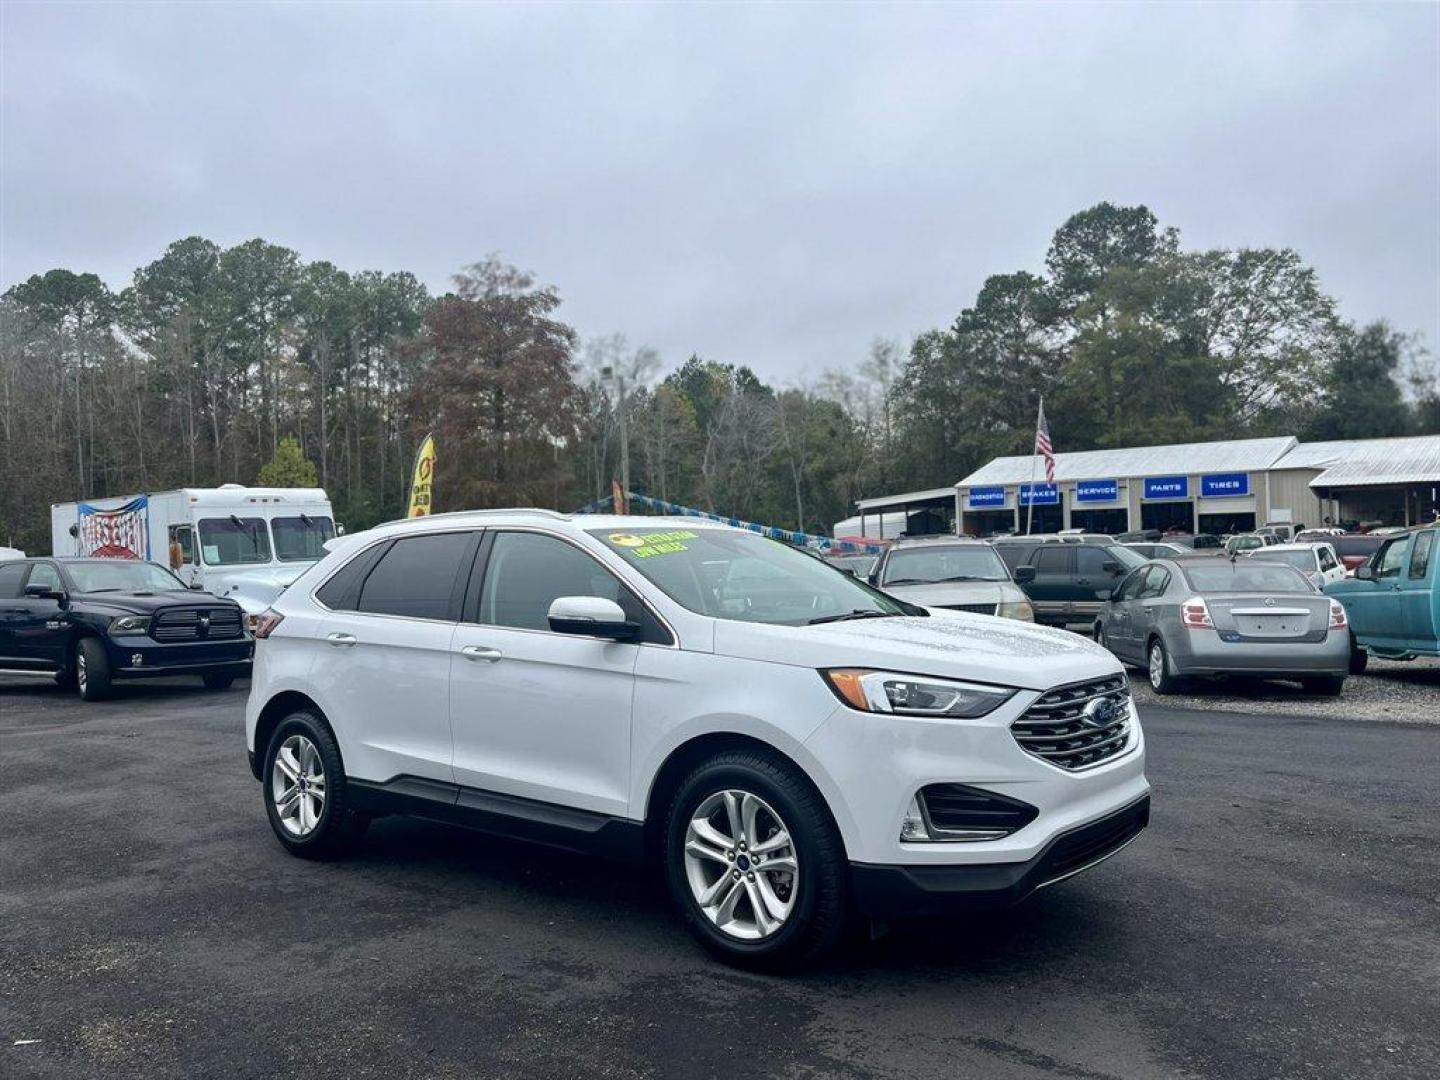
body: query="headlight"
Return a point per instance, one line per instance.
(913, 695)
(130, 624)
(1016, 609)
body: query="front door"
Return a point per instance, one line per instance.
(1417, 593)
(535, 713)
(1053, 588)
(36, 629)
(1095, 575)
(1373, 607)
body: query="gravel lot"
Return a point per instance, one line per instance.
(1279, 919)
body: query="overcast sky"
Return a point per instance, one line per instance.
(765, 185)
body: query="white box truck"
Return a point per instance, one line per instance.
(245, 543)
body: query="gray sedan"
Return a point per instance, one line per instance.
(1207, 616)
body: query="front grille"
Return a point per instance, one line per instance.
(196, 624)
(959, 808)
(974, 609)
(1057, 729)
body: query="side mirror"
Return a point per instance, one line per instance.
(197, 586)
(849, 570)
(591, 616)
(44, 592)
(1111, 567)
(1365, 573)
(1024, 575)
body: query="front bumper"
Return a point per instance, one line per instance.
(155, 660)
(916, 891)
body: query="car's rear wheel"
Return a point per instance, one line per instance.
(92, 670)
(218, 682)
(304, 790)
(1158, 668)
(755, 862)
(1324, 685)
(1359, 658)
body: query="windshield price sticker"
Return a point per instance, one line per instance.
(645, 547)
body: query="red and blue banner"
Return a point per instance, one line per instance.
(121, 533)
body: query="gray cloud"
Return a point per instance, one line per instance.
(767, 185)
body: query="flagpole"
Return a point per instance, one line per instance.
(1034, 460)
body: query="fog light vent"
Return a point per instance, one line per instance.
(961, 812)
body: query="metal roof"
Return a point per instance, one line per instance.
(1370, 462)
(1238, 455)
(907, 497)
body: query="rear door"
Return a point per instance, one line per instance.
(1053, 590)
(1148, 606)
(1417, 592)
(1119, 626)
(1096, 574)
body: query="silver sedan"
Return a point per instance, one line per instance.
(1207, 616)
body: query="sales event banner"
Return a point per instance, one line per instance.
(1094, 491)
(1039, 494)
(1225, 485)
(1167, 487)
(985, 498)
(422, 479)
(121, 533)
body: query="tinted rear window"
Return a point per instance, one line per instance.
(11, 574)
(416, 577)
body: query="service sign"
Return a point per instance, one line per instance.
(1167, 487)
(1094, 491)
(1039, 494)
(1225, 485)
(983, 498)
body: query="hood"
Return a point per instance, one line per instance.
(253, 588)
(143, 603)
(946, 593)
(951, 644)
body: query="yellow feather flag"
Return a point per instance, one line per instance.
(422, 478)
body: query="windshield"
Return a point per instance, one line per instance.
(1301, 560)
(121, 575)
(301, 539)
(728, 574)
(944, 562)
(1249, 576)
(234, 540)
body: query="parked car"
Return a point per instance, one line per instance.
(89, 622)
(955, 573)
(1243, 542)
(1393, 602)
(792, 754)
(1071, 581)
(1287, 531)
(860, 566)
(1317, 560)
(1155, 550)
(1204, 616)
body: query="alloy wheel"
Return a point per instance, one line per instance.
(1157, 665)
(741, 864)
(81, 678)
(297, 785)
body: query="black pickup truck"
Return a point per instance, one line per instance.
(87, 622)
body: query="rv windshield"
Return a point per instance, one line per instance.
(302, 538)
(232, 540)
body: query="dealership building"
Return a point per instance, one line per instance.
(1217, 487)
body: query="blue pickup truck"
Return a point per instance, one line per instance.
(1393, 601)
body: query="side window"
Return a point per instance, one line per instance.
(526, 572)
(1131, 585)
(1420, 554)
(1157, 579)
(11, 574)
(46, 575)
(182, 546)
(1327, 559)
(416, 577)
(342, 590)
(1090, 562)
(1012, 555)
(1391, 558)
(1052, 559)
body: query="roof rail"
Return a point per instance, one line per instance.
(554, 515)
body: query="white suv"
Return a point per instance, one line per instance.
(796, 747)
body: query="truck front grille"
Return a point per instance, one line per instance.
(197, 624)
(1066, 728)
(974, 609)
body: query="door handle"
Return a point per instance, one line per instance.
(341, 641)
(480, 652)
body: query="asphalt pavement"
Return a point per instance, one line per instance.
(1281, 918)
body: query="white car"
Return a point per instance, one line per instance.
(1316, 560)
(794, 745)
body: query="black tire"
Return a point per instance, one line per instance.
(92, 670)
(1359, 658)
(1160, 679)
(1324, 685)
(338, 826)
(820, 915)
(218, 682)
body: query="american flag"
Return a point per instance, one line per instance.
(1042, 444)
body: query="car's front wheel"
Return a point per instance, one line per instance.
(304, 789)
(92, 669)
(755, 863)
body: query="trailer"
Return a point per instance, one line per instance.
(245, 543)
